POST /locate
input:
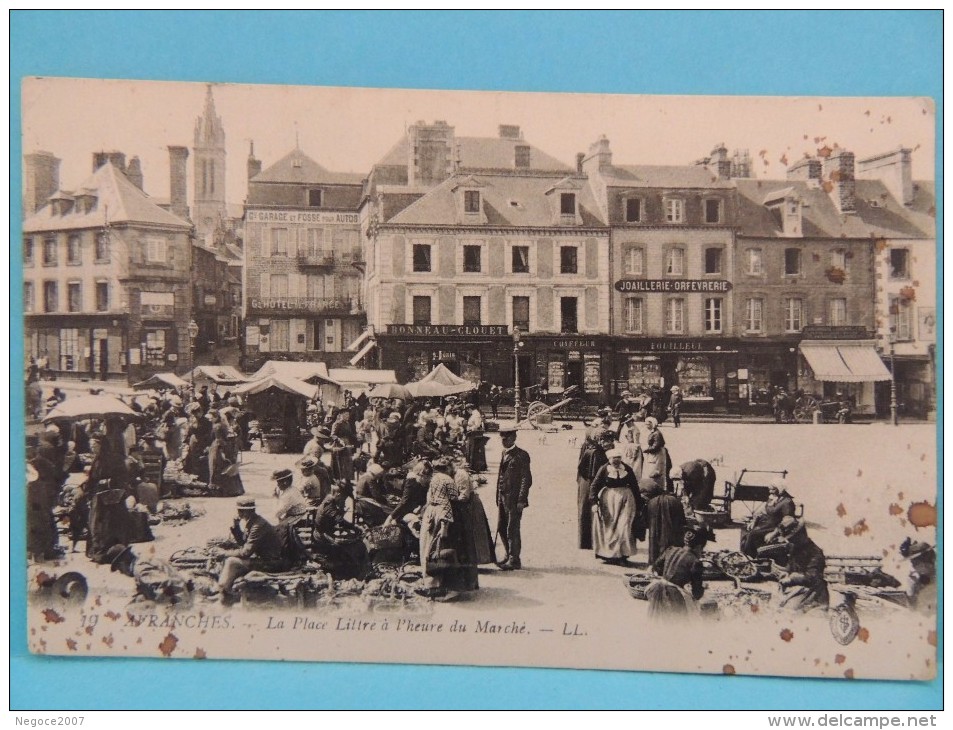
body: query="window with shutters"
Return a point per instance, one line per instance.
(633, 261)
(279, 241)
(155, 250)
(49, 251)
(633, 308)
(838, 312)
(840, 260)
(754, 261)
(50, 296)
(793, 314)
(421, 310)
(74, 296)
(74, 251)
(521, 313)
(102, 248)
(102, 296)
(754, 315)
(675, 262)
(713, 323)
(901, 318)
(471, 310)
(674, 210)
(675, 316)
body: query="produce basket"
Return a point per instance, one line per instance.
(636, 583)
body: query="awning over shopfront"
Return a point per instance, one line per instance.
(844, 362)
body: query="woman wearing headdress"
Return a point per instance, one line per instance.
(614, 496)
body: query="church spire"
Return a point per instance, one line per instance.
(209, 168)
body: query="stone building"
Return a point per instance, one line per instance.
(470, 238)
(672, 232)
(209, 210)
(106, 275)
(303, 261)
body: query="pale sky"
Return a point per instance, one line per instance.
(349, 129)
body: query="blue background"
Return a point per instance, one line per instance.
(773, 53)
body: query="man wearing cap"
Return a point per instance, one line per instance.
(766, 520)
(804, 587)
(260, 548)
(291, 503)
(512, 495)
(156, 580)
(390, 445)
(370, 485)
(320, 436)
(316, 480)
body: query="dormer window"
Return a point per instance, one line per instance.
(633, 210)
(712, 210)
(468, 201)
(567, 204)
(674, 210)
(471, 201)
(315, 198)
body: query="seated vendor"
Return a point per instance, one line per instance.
(260, 548)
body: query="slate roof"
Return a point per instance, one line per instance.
(663, 176)
(118, 201)
(507, 200)
(483, 153)
(882, 218)
(306, 172)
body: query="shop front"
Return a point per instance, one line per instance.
(553, 363)
(704, 369)
(478, 353)
(78, 346)
(764, 366)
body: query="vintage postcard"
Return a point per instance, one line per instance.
(551, 380)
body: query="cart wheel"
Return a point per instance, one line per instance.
(845, 624)
(534, 409)
(804, 410)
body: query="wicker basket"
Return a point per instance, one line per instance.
(636, 583)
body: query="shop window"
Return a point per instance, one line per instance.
(155, 347)
(644, 372)
(793, 314)
(899, 263)
(675, 261)
(520, 261)
(567, 204)
(74, 251)
(674, 210)
(102, 296)
(568, 310)
(280, 335)
(421, 310)
(694, 376)
(792, 261)
(633, 309)
(754, 261)
(102, 248)
(754, 315)
(633, 261)
(901, 319)
(421, 257)
(712, 211)
(713, 321)
(471, 310)
(69, 349)
(74, 297)
(279, 241)
(315, 198)
(675, 316)
(471, 259)
(838, 312)
(713, 260)
(633, 210)
(471, 201)
(28, 255)
(521, 313)
(49, 251)
(50, 296)
(28, 295)
(568, 260)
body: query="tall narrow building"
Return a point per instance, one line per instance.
(208, 209)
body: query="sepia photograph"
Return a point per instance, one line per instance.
(327, 373)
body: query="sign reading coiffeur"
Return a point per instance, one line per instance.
(672, 286)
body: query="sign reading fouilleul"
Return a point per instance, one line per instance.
(672, 286)
(444, 330)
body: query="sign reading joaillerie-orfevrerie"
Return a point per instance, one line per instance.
(672, 286)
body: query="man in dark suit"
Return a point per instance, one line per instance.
(260, 548)
(512, 496)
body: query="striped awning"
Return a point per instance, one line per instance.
(844, 362)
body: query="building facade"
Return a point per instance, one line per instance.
(470, 239)
(303, 262)
(106, 278)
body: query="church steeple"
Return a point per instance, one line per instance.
(209, 168)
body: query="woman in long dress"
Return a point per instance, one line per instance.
(680, 571)
(440, 534)
(615, 505)
(477, 537)
(223, 471)
(630, 443)
(476, 442)
(656, 462)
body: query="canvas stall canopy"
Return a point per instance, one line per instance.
(440, 382)
(360, 380)
(218, 374)
(161, 381)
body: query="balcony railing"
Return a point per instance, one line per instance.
(307, 305)
(317, 258)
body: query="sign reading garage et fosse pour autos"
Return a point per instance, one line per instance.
(672, 286)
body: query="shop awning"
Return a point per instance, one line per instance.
(844, 362)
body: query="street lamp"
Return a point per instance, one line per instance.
(893, 378)
(193, 333)
(516, 371)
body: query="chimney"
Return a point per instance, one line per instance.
(178, 190)
(719, 163)
(893, 169)
(839, 179)
(509, 131)
(134, 172)
(740, 164)
(600, 155)
(254, 164)
(118, 160)
(41, 178)
(430, 153)
(807, 168)
(580, 157)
